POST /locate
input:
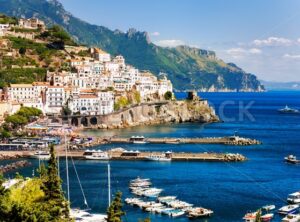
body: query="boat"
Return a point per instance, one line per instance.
(96, 155)
(294, 198)
(176, 213)
(291, 159)
(267, 217)
(85, 216)
(289, 209)
(161, 158)
(166, 157)
(199, 212)
(41, 155)
(287, 109)
(268, 207)
(137, 140)
(291, 218)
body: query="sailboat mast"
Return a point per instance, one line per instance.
(108, 175)
(67, 168)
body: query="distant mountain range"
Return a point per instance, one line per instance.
(281, 85)
(187, 67)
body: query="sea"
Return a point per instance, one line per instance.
(229, 189)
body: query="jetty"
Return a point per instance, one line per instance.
(117, 154)
(230, 140)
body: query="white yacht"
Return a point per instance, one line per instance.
(96, 155)
(291, 159)
(166, 157)
(42, 155)
(85, 216)
(294, 198)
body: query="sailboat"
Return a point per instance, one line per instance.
(79, 214)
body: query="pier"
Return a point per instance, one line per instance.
(230, 140)
(141, 156)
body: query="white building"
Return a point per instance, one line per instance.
(31, 23)
(55, 99)
(100, 55)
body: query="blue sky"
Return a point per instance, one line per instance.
(261, 36)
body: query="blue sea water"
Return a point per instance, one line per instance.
(229, 189)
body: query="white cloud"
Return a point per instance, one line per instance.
(169, 42)
(273, 41)
(241, 52)
(290, 56)
(255, 51)
(155, 34)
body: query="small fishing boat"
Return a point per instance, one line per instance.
(287, 109)
(42, 155)
(289, 209)
(294, 198)
(291, 218)
(251, 217)
(292, 159)
(85, 216)
(176, 213)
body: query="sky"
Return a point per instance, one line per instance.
(260, 36)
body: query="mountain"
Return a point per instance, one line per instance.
(187, 67)
(281, 85)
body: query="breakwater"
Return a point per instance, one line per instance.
(13, 166)
(232, 140)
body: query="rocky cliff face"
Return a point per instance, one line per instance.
(158, 113)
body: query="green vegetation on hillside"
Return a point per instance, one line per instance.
(22, 117)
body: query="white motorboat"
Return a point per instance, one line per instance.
(294, 198)
(268, 207)
(96, 155)
(85, 216)
(291, 218)
(41, 155)
(287, 109)
(292, 159)
(289, 209)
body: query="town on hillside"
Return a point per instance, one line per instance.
(93, 82)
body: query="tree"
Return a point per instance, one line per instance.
(22, 50)
(114, 212)
(53, 191)
(168, 95)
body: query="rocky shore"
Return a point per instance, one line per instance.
(13, 166)
(159, 113)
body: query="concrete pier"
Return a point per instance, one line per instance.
(232, 140)
(117, 155)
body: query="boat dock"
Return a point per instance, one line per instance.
(141, 156)
(230, 140)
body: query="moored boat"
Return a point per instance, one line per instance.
(199, 212)
(291, 218)
(294, 198)
(96, 155)
(269, 207)
(42, 155)
(289, 209)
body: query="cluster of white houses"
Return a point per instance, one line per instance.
(91, 88)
